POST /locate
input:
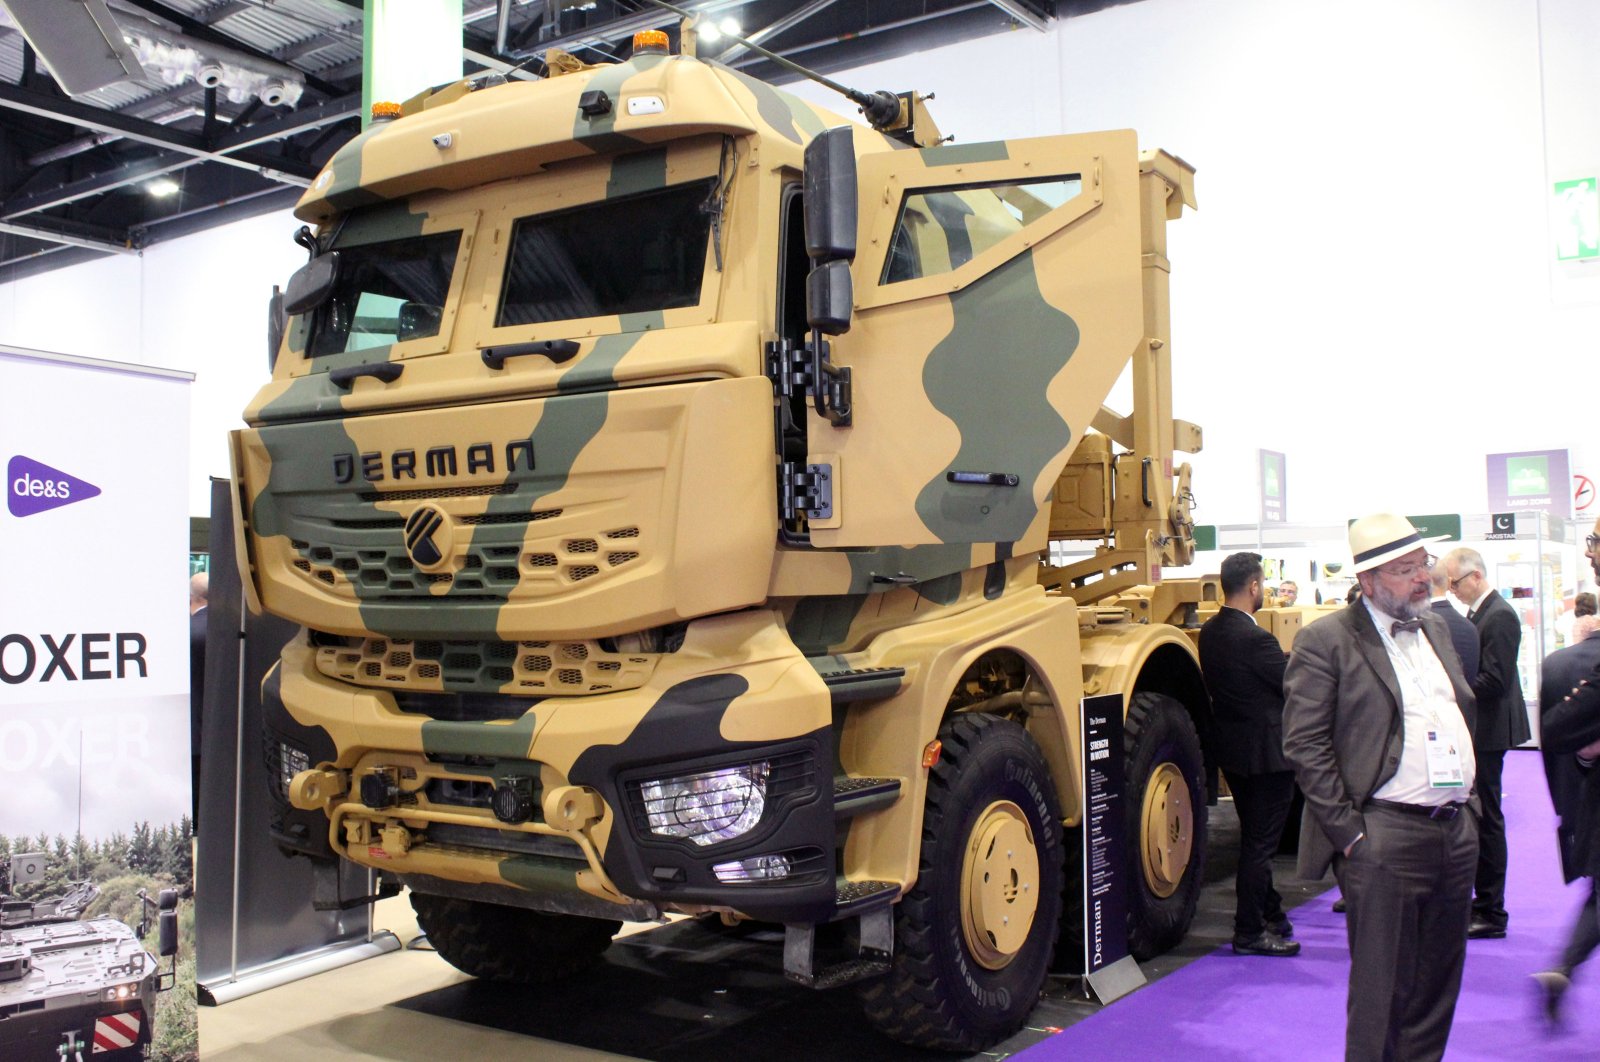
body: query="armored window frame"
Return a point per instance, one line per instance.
(966, 223)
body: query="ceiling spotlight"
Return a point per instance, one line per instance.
(729, 26)
(161, 187)
(710, 33)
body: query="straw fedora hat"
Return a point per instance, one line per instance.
(1382, 537)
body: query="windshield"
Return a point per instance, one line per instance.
(626, 255)
(386, 293)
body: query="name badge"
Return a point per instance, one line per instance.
(1444, 762)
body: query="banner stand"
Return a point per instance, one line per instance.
(256, 925)
(1109, 971)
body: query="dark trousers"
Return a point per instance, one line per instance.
(1262, 801)
(1408, 889)
(1489, 888)
(1585, 935)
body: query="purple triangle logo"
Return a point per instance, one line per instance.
(33, 486)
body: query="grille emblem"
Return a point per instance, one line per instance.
(429, 532)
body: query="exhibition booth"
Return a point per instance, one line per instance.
(708, 568)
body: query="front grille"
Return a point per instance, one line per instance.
(487, 571)
(543, 668)
(429, 494)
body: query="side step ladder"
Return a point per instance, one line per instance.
(871, 903)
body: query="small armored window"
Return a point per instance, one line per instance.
(940, 230)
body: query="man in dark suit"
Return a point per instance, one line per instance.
(1378, 720)
(1502, 724)
(1463, 635)
(1563, 670)
(1243, 669)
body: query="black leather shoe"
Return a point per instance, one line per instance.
(1553, 985)
(1338, 906)
(1265, 944)
(1481, 930)
(1282, 928)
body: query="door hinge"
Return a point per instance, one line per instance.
(796, 368)
(805, 490)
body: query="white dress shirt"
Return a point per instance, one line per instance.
(1428, 703)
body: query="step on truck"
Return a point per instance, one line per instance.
(665, 472)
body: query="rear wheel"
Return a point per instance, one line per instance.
(1166, 815)
(973, 939)
(499, 943)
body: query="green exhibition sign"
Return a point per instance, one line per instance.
(1441, 524)
(1205, 537)
(1576, 219)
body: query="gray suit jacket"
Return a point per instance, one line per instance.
(1342, 724)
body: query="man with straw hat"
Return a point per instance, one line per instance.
(1378, 721)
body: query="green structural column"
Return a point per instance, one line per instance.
(411, 45)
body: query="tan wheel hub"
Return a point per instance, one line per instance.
(1166, 830)
(999, 885)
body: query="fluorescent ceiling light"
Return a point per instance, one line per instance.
(161, 187)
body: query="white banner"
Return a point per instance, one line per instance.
(94, 642)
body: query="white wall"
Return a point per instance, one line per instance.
(1368, 285)
(198, 303)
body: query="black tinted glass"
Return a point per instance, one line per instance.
(644, 252)
(386, 293)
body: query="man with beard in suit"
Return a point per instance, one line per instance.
(1502, 724)
(1378, 720)
(1243, 669)
(1563, 670)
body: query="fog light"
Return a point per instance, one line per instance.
(708, 807)
(291, 761)
(756, 868)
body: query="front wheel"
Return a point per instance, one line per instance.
(974, 938)
(499, 943)
(1166, 816)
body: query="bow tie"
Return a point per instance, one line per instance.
(1405, 625)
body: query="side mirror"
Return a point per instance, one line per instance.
(311, 284)
(830, 195)
(829, 294)
(277, 324)
(167, 922)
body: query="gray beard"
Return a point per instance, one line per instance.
(1399, 607)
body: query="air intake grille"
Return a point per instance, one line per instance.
(534, 668)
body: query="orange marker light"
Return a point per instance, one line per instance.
(930, 754)
(650, 41)
(384, 110)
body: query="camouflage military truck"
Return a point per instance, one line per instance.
(71, 989)
(664, 471)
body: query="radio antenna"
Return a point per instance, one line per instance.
(881, 108)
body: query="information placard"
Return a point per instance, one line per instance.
(1108, 968)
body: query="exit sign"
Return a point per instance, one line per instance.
(1575, 217)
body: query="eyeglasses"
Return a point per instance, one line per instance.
(1592, 543)
(1458, 580)
(1406, 571)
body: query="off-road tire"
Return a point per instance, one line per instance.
(499, 943)
(1158, 732)
(937, 994)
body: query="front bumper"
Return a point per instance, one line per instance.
(738, 693)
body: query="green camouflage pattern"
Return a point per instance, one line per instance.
(560, 569)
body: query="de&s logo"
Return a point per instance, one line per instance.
(33, 487)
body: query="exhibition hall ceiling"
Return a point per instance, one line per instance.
(216, 110)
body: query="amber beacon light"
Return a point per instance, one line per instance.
(650, 41)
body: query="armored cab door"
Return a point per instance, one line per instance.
(998, 296)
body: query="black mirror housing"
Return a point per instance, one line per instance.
(830, 195)
(277, 324)
(829, 294)
(311, 284)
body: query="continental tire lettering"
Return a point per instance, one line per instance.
(20, 657)
(441, 461)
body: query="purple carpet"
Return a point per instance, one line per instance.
(1224, 1006)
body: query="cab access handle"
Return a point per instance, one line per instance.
(386, 371)
(557, 350)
